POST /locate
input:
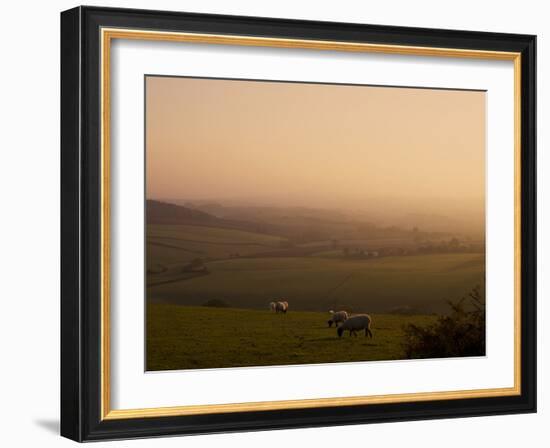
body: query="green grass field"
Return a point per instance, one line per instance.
(186, 337)
(422, 283)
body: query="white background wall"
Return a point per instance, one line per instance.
(29, 228)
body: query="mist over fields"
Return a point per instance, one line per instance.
(245, 256)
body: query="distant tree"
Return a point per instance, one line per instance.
(197, 263)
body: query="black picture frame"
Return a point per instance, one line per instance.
(81, 226)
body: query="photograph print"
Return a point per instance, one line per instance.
(297, 223)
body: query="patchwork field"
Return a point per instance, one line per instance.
(185, 337)
(240, 269)
(237, 273)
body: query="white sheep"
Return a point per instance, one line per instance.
(356, 323)
(337, 317)
(281, 307)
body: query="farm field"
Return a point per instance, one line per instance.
(248, 270)
(170, 246)
(227, 337)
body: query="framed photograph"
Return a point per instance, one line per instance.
(273, 223)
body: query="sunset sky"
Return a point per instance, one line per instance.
(315, 145)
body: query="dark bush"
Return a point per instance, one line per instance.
(461, 333)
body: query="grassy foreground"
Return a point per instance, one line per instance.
(186, 337)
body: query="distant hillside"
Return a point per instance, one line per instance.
(468, 223)
(298, 224)
(165, 213)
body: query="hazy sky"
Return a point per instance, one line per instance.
(315, 145)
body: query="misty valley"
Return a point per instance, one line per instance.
(271, 204)
(213, 269)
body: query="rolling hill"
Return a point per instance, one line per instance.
(158, 212)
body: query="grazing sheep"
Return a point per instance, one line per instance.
(356, 323)
(281, 307)
(273, 307)
(337, 317)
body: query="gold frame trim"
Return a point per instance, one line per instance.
(107, 35)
